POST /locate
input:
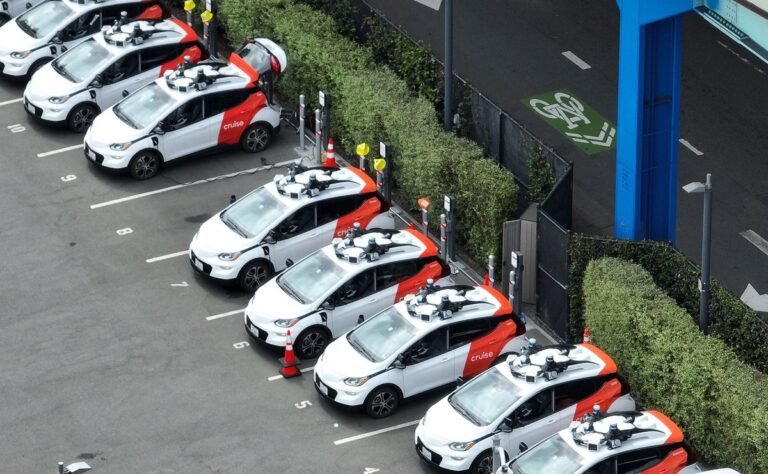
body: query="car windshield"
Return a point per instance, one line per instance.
(382, 335)
(486, 398)
(144, 107)
(43, 19)
(311, 278)
(256, 55)
(81, 61)
(551, 455)
(253, 214)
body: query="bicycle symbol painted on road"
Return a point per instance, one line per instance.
(565, 108)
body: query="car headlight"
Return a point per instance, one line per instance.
(120, 146)
(462, 446)
(286, 323)
(355, 381)
(58, 100)
(20, 54)
(230, 256)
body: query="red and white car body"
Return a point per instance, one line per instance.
(645, 442)
(251, 239)
(106, 67)
(189, 111)
(328, 292)
(425, 342)
(517, 401)
(52, 27)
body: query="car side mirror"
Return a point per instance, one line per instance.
(159, 128)
(506, 425)
(98, 81)
(57, 38)
(271, 237)
(399, 363)
(327, 305)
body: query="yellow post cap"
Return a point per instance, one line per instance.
(363, 149)
(206, 16)
(379, 164)
(189, 5)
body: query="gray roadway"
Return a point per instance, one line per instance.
(103, 359)
(512, 49)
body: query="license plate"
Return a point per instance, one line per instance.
(91, 154)
(425, 452)
(322, 387)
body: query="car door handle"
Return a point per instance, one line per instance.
(551, 421)
(315, 234)
(372, 300)
(444, 359)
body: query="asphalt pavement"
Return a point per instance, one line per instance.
(513, 49)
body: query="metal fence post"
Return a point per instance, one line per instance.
(325, 103)
(385, 151)
(449, 204)
(425, 220)
(491, 269)
(318, 127)
(302, 107)
(443, 236)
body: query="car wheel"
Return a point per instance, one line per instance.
(256, 138)
(253, 275)
(81, 117)
(144, 165)
(312, 342)
(382, 402)
(483, 464)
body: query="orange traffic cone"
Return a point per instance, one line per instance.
(330, 156)
(586, 339)
(290, 365)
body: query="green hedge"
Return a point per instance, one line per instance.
(730, 320)
(370, 104)
(697, 380)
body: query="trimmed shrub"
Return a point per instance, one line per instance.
(730, 320)
(697, 380)
(541, 177)
(370, 104)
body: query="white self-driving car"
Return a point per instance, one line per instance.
(189, 111)
(290, 217)
(645, 442)
(12, 8)
(523, 399)
(424, 342)
(106, 67)
(330, 291)
(54, 26)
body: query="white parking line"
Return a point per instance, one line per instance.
(374, 433)
(577, 60)
(166, 257)
(191, 183)
(755, 239)
(60, 150)
(278, 377)
(688, 145)
(7, 102)
(224, 315)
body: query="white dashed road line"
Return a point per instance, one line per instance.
(576, 60)
(688, 145)
(192, 183)
(224, 315)
(166, 257)
(374, 433)
(60, 150)
(14, 101)
(278, 377)
(755, 239)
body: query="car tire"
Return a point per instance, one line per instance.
(144, 165)
(253, 275)
(483, 463)
(312, 342)
(81, 117)
(256, 138)
(382, 402)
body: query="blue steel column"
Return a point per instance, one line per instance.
(648, 119)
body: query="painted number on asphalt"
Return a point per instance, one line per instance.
(16, 128)
(240, 345)
(124, 231)
(183, 284)
(69, 177)
(302, 405)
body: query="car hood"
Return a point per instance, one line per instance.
(214, 237)
(107, 129)
(340, 360)
(271, 303)
(12, 38)
(46, 83)
(443, 425)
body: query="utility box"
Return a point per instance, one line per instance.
(520, 236)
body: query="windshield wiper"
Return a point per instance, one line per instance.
(463, 411)
(291, 292)
(231, 224)
(359, 348)
(26, 28)
(56, 67)
(124, 118)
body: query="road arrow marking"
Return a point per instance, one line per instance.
(604, 138)
(183, 284)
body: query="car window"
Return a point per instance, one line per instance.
(159, 55)
(311, 277)
(142, 108)
(382, 335)
(467, 331)
(359, 286)
(122, 69)
(43, 19)
(533, 409)
(635, 462)
(81, 61)
(186, 114)
(86, 24)
(222, 101)
(486, 397)
(395, 272)
(569, 393)
(432, 345)
(552, 455)
(297, 223)
(254, 213)
(328, 210)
